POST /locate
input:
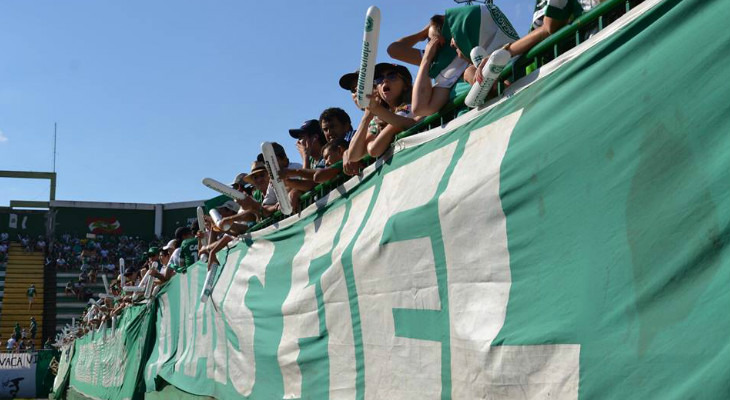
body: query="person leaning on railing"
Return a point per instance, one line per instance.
(451, 38)
(388, 113)
(549, 17)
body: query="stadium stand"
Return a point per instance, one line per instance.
(22, 270)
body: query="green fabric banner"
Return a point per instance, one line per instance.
(569, 241)
(108, 364)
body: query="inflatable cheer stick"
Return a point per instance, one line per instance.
(272, 167)
(121, 270)
(201, 225)
(478, 93)
(224, 189)
(216, 216)
(209, 283)
(368, 56)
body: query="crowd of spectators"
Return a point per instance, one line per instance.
(330, 144)
(92, 257)
(21, 340)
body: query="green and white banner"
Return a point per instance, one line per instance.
(569, 241)
(107, 364)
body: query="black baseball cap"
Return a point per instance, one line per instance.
(309, 127)
(349, 80)
(400, 69)
(278, 150)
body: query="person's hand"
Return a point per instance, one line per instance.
(376, 104)
(432, 48)
(303, 148)
(479, 77)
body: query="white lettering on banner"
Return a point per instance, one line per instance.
(300, 309)
(222, 345)
(185, 310)
(242, 365)
(399, 275)
(164, 337)
(340, 344)
(200, 345)
(479, 283)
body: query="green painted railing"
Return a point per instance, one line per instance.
(558, 43)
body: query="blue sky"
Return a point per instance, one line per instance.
(152, 96)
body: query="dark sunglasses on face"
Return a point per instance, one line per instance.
(391, 76)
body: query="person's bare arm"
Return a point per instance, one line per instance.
(300, 185)
(382, 141)
(403, 50)
(304, 173)
(390, 117)
(426, 98)
(358, 145)
(325, 174)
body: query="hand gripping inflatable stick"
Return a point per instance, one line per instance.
(368, 56)
(478, 93)
(224, 189)
(216, 216)
(272, 167)
(201, 225)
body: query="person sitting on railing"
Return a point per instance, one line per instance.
(446, 59)
(550, 16)
(332, 152)
(388, 113)
(336, 124)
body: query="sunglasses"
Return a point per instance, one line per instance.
(391, 76)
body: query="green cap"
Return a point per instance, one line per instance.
(153, 251)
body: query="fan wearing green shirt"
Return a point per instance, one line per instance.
(189, 245)
(31, 294)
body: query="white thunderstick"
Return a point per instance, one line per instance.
(201, 225)
(368, 56)
(217, 218)
(478, 93)
(224, 189)
(209, 283)
(121, 271)
(272, 167)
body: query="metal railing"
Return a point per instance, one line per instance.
(552, 47)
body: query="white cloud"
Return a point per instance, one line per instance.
(3, 138)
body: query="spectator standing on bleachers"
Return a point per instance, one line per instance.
(16, 330)
(11, 344)
(33, 327)
(31, 295)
